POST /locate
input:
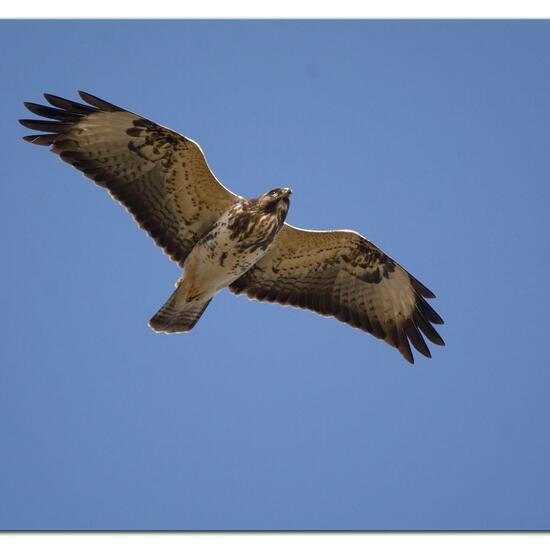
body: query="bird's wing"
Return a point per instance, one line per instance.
(160, 176)
(342, 274)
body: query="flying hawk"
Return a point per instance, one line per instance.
(223, 240)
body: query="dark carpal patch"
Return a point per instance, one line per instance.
(375, 265)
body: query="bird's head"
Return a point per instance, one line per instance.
(276, 201)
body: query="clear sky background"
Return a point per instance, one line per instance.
(430, 138)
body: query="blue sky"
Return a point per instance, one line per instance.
(430, 138)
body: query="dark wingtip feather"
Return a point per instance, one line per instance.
(405, 350)
(420, 288)
(68, 105)
(52, 112)
(41, 139)
(428, 311)
(36, 108)
(45, 125)
(98, 102)
(413, 334)
(425, 326)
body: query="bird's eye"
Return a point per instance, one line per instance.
(273, 193)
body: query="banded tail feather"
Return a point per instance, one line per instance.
(177, 316)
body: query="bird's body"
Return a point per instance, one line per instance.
(235, 243)
(223, 240)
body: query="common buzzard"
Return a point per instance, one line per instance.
(223, 240)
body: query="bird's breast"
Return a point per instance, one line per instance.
(231, 247)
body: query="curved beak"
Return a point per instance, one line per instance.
(287, 191)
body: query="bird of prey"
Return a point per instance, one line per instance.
(223, 240)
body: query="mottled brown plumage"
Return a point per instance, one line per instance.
(160, 176)
(221, 239)
(342, 274)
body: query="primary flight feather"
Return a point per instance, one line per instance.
(223, 240)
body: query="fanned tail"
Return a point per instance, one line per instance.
(177, 316)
